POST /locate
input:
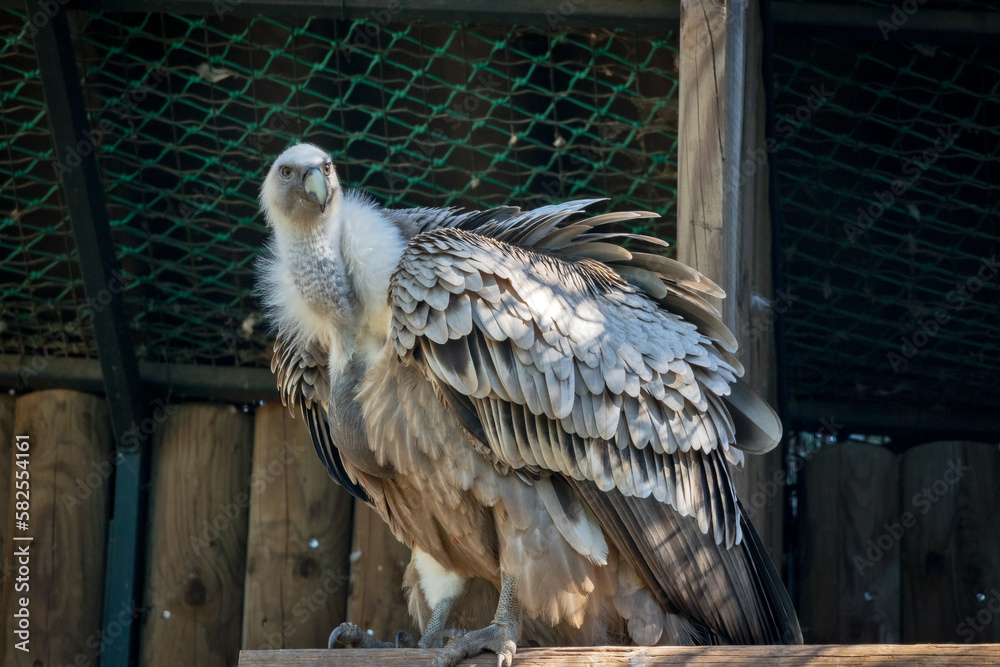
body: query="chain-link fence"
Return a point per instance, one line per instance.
(886, 170)
(188, 111)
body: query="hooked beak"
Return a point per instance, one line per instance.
(315, 185)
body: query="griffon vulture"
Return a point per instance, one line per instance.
(544, 417)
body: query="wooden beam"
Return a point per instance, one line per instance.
(197, 537)
(300, 539)
(885, 417)
(723, 219)
(817, 655)
(193, 381)
(649, 14)
(883, 19)
(68, 463)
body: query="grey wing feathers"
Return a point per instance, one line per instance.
(413, 221)
(572, 364)
(302, 379)
(301, 373)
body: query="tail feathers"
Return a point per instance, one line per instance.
(730, 595)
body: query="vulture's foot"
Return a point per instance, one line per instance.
(352, 636)
(499, 638)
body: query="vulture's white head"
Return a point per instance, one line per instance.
(301, 189)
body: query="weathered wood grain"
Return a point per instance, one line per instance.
(951, 574)
(702, 240)
(850, 552)
(723, 219)
(197, 537)
(944, 655)
(378, 561)
(69, 468)
(299, 540)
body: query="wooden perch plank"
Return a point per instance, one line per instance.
(943, 655)
(299, 541)
(951, 582)
(69, 465)
(197, 537)
(850, 593)
(378, 562)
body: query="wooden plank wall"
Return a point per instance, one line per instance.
(378, 564)
(198, 514)
(298, 565)
(252, 546)
(951, 591)
(849, 493)
(68, 465)
(901, 548)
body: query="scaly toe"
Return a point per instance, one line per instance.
(496, 638)
(438, 639)
(347, 634)
(351, 635)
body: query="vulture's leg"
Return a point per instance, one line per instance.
(500, 636)
(438, 621)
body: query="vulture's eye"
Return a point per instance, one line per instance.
(327, 168)
(286, 172)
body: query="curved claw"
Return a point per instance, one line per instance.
(506, 657)
(405, 640)
(351, 635)
(346, 634)
(495, 637)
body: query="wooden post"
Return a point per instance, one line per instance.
(299, 541)
(723, 220)
(69, 465)
(951, 556)
(378, 561)
(850, 546)
(197, 537)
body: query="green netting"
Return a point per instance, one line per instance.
(892, 294)
(190, 110)
(42, 298)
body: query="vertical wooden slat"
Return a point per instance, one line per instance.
(951, 575)
(702, 241)
(69, 465)
(850, 537)
(723, 221)
(761, 482)
(197, 537)
(299, 542)
(6, 458)
(378, 562)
